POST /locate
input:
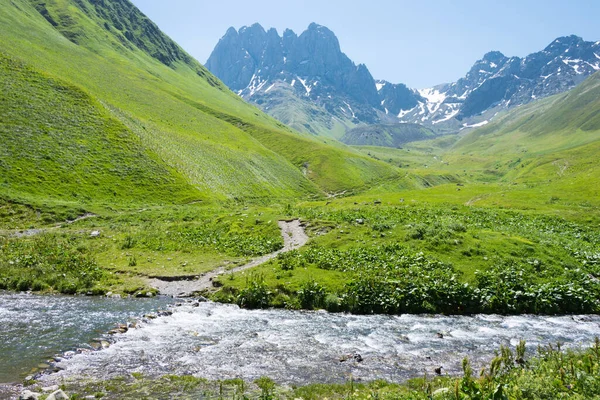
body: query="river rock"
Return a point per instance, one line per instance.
(165, 313)
(353, 356)
(121, 328)
(95, 234)
(58, 395)
(52, 388)
(96, 345)
(28, 395)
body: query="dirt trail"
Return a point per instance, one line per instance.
(293, 235)
(20, 233)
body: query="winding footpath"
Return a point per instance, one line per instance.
(293, 235)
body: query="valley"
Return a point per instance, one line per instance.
(319, 249)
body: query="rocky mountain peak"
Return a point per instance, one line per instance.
(312, 64)
(266, 68)
(563, 43)
(493, 56)
(231, 33)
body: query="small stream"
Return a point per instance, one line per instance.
(217, 341)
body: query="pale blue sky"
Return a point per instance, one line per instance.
(417, 43)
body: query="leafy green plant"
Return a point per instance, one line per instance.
(256, 294)
(311, 295)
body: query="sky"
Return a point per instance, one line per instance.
(420, 44)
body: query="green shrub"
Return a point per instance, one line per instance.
(311, 295)
(290, 260)
(256, 294)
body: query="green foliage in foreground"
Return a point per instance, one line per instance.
(47, 262)
(172, 241)
(424, 259)
(551, 374)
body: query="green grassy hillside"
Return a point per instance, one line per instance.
(64, 145)
(548, 148)
(195, 136)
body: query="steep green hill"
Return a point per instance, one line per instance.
(101, 103)
(57, 142)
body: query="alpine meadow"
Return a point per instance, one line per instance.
(279, 224)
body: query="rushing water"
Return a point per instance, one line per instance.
(218, 341)
(35, 328)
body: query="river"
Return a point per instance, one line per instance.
(35, 328)
(218, 341)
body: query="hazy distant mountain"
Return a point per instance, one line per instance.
(307, 82)
(498, 82)
(262, 67)
(388, 135)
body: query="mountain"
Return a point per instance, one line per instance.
(99, 106)
(557, 123)
(498, 82)
(551, 145)
(309, 70)
(387, 135)
(308, 83)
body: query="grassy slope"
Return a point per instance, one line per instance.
(548, 144)
(58, 143)
(179, 111)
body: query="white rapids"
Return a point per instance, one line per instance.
(217, 341)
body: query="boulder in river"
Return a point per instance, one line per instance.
(352, 356)
(28, 395)
(58, 395)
